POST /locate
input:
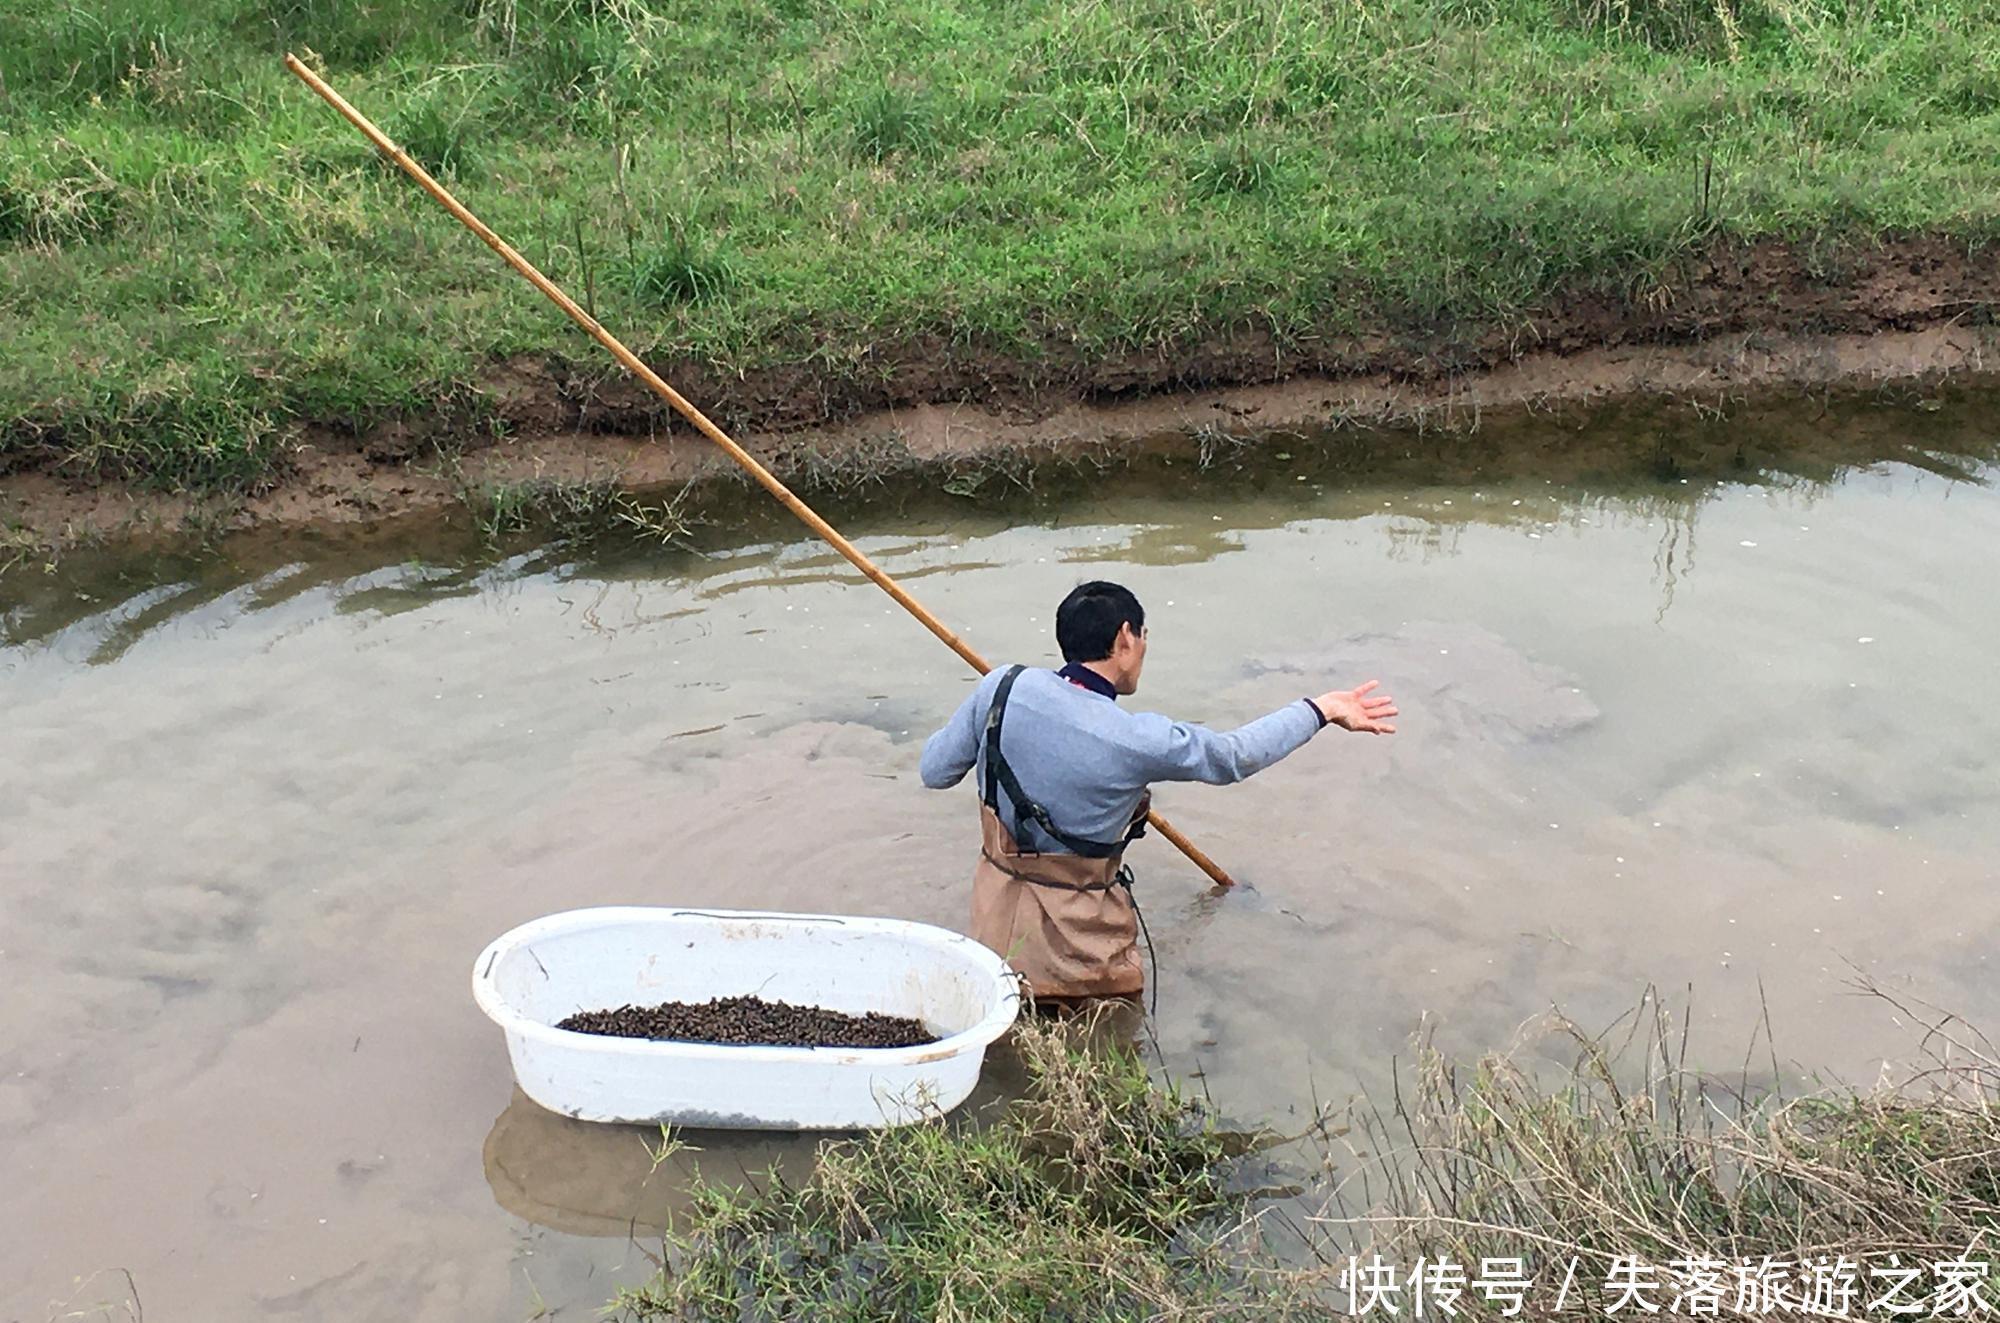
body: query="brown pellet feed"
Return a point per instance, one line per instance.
(751, 1021)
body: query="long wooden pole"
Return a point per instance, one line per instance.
(765, 478)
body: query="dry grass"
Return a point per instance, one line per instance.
(1630, 1156)
(1103, 1196)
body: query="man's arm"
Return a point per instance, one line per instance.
(952, 751)
(1180, 751)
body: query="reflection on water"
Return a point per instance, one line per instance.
(258, 812)
(585, 1179)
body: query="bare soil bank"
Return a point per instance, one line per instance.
(1758, 323)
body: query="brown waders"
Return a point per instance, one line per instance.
(1065, 922)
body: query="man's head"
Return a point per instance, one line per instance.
(1102, 625)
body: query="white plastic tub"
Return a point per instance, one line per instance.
(596, 959)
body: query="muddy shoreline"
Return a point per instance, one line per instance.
(1924, 326)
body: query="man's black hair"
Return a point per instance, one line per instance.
(1088, 620)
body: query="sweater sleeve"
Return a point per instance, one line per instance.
(1181, 751)
(951, 752)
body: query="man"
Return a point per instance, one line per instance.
(1063, 777)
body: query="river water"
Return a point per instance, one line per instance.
(1734, 739)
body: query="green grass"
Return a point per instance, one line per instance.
(573, 512)
(1085, 1201)
(195, 253)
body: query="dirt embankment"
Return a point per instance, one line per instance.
(1745, 321)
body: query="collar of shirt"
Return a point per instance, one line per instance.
(1079, 674)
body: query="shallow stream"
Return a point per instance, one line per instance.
(258, 811)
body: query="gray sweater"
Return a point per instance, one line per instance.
(1087, 760)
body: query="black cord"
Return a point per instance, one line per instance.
(1124, 879)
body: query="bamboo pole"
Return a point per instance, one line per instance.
(765, 478)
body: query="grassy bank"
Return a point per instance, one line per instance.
(1085, 1202)
(1103, 1197)
(195, 254)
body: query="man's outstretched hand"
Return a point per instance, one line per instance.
(1359, 709)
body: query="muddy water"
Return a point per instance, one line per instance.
(257, 814)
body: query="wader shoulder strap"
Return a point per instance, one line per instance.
(1000, 776)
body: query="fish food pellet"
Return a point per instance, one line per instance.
(751, 1021)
